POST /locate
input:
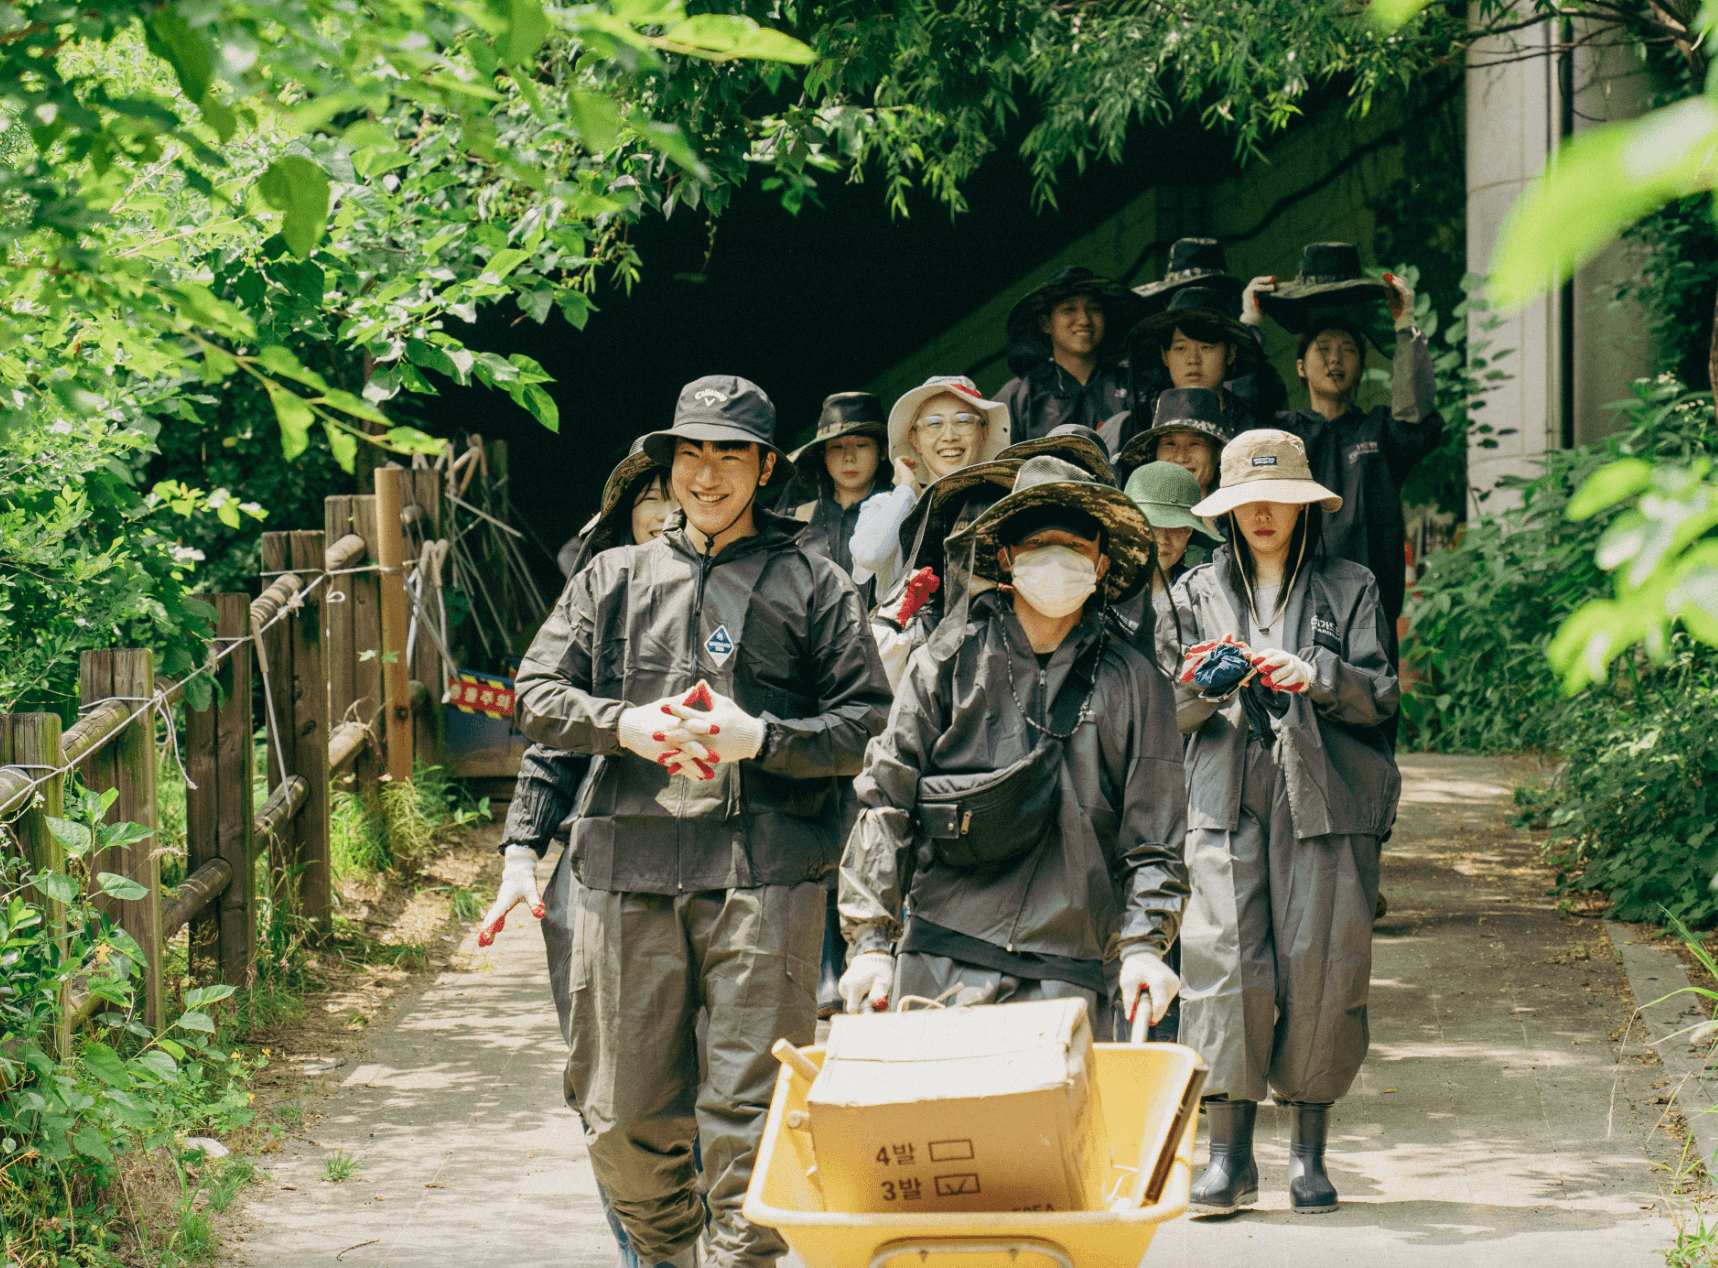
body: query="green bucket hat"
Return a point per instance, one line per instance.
(1165, 493)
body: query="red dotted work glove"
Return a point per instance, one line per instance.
(518, 885)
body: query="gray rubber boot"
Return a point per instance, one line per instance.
(1231, 1178)
(1310, 1189)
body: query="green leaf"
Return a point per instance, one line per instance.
(298, 187)
(541, 405)
(194, 1020)
(160, 1063)
(171, 38)
(198, 996)
(281, 361)
(597, 119)
(1609, 485)
(1601, 181)
(411, 440)
(727, 35)
(219, 116)
(344, 445)
(58, 886)
(527, 28)
(354, 405)
(89, 1142)
(295, 418)
(74, 838)
(121, 887)
(502, 263)
(103, 1062)
(576, 307)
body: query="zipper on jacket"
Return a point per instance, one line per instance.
(705, 563)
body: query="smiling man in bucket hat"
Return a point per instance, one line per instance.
(724, 679)
(1025, 679)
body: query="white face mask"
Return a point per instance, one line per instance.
(1055, 580)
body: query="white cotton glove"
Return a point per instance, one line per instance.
(711, 729)
(518, 884)
(1282, 671)
(1145, 971)
(645, 730)
(1252, 313)
(868, 981)
(1401, 301)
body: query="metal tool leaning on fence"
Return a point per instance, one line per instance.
(1031, 771)
(1291, 785)
(701, 854)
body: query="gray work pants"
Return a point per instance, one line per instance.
(641, 966)
(928, 976)
(1276, 950)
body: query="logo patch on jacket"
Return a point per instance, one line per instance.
(1356, 452)
(720, 646)
(1324, 631)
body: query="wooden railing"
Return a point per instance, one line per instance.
(328, 637)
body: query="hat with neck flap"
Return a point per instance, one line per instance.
(1029, 345)
(1073, 442)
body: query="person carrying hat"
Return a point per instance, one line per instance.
(1366, 456)
(1076, 861)
(937, 428)
(1291, 784)
(1195, 341)
(1065, 347)
(721, 676)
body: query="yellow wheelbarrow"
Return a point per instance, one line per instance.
(1150, 1097)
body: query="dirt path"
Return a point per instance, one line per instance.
(1492, 1123)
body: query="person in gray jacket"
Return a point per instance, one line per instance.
(722, 677)
(1029, 680)
(1291, 785)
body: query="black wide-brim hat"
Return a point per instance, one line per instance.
(1072, 442)
(1028, 346)
(1192, 262)
(721, 407)
(614, 513)
(1047, 481)
(845, 414)
(1331, 284)
(1194, 409)
(1202, 304)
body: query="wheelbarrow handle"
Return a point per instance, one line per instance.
(1184, 1113)
(922, 1246)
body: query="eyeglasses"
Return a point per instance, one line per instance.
(958, 424)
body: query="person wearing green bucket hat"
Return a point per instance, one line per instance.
(1030, 777)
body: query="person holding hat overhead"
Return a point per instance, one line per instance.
(836, 472)
(1367, 456)
(1291, 784)
(1065, 348)
(937, 428)
(1074, 861)
(721, 676)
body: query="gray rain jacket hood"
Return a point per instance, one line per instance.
(1109, 877)
(1335, 760)
(776, 628)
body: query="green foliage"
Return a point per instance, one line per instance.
(1485, 611)
(67, 1118)
(1675, 284)
(338, 1166)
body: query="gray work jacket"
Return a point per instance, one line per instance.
(1108, 878)
(779, 630)
(1340, 772)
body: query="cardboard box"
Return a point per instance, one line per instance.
(990, 1108)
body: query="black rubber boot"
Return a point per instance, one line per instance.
(834, 960)
(1231, 1178)
(1310, 1189)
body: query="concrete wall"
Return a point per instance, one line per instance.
(1574, 352)
(1319, 184)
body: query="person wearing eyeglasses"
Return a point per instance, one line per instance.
(939, 427)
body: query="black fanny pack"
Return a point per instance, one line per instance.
(984, 819)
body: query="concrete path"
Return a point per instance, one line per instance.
(1492, 1123)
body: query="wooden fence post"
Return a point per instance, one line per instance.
(395, 617)
(218, 812)
(354, 627)
(32, 740)
(429, 731)
(297, 686)
(128, 765)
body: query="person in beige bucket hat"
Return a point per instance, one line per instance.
(1291, 786)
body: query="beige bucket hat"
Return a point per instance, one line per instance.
(994, 413)
(1266, 465)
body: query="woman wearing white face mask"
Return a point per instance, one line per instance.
(1291, 786)
(1073, 861)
